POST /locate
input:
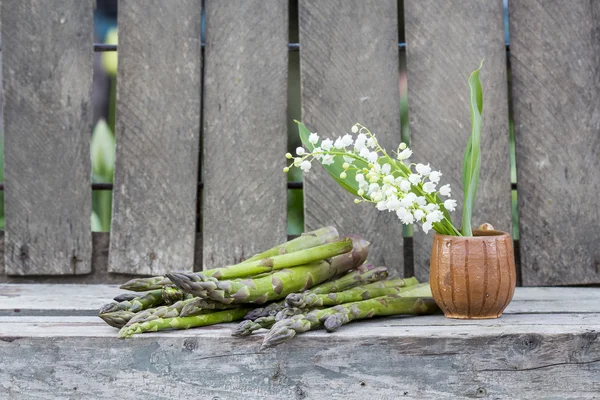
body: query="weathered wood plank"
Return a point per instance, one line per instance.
(349, 74)
(99, 273)
(244, 196)
(158, 130)
(34, 298)
(47, 60)
(446, 41)
(555, 61)
(363, 360)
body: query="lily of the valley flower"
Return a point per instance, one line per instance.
(410, 191)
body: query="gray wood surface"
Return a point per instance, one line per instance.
(47, 76)
(446, 41)
(158, 130)
(518, 356)
(555, 61)
(99, 273)
(244, 196)
(349, 74)
(88, 298)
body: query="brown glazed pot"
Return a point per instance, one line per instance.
(473, 277)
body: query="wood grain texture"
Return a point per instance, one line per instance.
(47, 62)
(349, 74)
(518, 356)
(244, 196)
(446, 41)
(555, 61)
(99, 273)
(158, 130)
(85, 297)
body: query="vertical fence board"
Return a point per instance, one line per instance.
(244, 196)
(555, 61)
(158, 129)
(349, 74)
(445, 42)
(47, 60)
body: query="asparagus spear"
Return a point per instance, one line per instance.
(307, 300)
(161, 324)
(125, 297)
(167, 311)
(305, 241)
(358, 293)
(386, 305)
(172, 294)
(245, 328)
(197, 304)
(273, 263)
(148, 300)
(277, 285)
(117, 318)
(362, 274)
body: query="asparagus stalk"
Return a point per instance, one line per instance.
(381, 306)
(148, 300)
(198, 304)
(386, 305)
(277, 285)
(247, 327)
(211, 277)
(358, 293)
(117, 318)
(362, 274)
(305, 241)
(161, 324)
(125, 297)
(172, 294)
(167, 311)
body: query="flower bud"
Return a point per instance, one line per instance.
(289, 156)
(286, 169)
(402, 146)
(346, 165)
(361, 192)
(355, 129)
(356, 201)
(343, 175)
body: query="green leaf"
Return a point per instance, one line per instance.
(96, 224)
(336, 168)
(472, 159)
(102, 150)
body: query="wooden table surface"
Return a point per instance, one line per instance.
(546, 346)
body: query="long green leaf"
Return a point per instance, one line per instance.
(472, 160)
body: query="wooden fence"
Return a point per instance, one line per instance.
(203, 128)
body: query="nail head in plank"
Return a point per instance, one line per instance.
(158, 129)
(47, 63)
(349, 66)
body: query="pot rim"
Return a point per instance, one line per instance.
(478, 234)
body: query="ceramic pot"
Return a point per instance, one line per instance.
(473, 277)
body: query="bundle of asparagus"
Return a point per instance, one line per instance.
(184, 300)
(317, 280)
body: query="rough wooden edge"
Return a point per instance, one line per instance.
(361, 361)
